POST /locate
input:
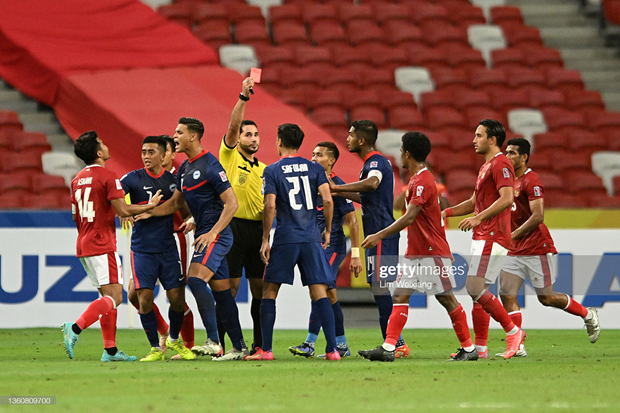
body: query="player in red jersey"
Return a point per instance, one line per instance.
(96, 195)
(428, 261)
(532, 253)
(491, 201)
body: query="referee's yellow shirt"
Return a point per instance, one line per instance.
(246, 179)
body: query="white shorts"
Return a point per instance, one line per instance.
(103, 269)
(541, 269)
(487, 258)
(184, 246)
(432, 275)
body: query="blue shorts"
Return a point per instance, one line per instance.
(214, 256)
(148, 267)
(334, 256)
(310, 258)
(384, 255)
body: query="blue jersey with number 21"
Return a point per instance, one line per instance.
(295, 182)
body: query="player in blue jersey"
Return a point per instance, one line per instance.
(154, 255)
(375, 192)
(203, 185)
(290, 187)
(326, 154)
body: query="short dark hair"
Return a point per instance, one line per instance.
(366, 129)
(495, 128)
(193, 126)
(417, 144)
(291, 135)
(523, 146)
(331, 147)
(170, 141)
(159, 140)
(246, 123)
(86, 147)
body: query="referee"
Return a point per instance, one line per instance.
(245, 173)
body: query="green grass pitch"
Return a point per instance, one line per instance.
(563, 372)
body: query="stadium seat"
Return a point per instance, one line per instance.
(15, 183)
(350, 12)
(465, 58)
(540, 161)
(243, 12)
(389, 12)
(456, 161)
(275, 58)
(252, 33)
(216, 34)
(315, 58)
(238, 57)
(561, 200)
(508, 58)
(460, 139)
(364, 33)
(603, 201)
(551, 181)
(440, 141)
(313, 12)
(363, 98)
(549, 142)
(271, 81)
(486, 38)
(401, 32)
(341, 80)
(9, 122)
(437, 98)
(330, 117)
(326, 98)
(49, 184)
(583, 183)
(564, 120)
(461, 179)
(41, 201)
(474, 115)
(328, 34)
(443, 117)
(289, 34)
(465, 14)
(405, 117)
(396, 98)
(23, 163)
(450, 79)
(522, 36)
(504, 14)
(387, 57)
(486, 6)
(444, 34)
(585, 101)
(588, 142)
(302, 79)
(31, 142)
(526, 122)
(369, 112)
(616, 181)
(508, 100)
(489, 80)
(285, 13)
(519, 78)
(351, 57)
(545, 98)
(209, 12)
(428, 57)
(606, 164)
(428, 13)
(568, 81)
(604, 122)
(543, 58)
(567, 161)
(414, 80)
(294, 98)
(464, 99)
(180, 13)
(11, 201)
(378, 79)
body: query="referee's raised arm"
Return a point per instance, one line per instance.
(236, 117)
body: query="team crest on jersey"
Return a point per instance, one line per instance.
(419, 190)
(373, 164)
(536, 191)
(196, 174)
(506, 173)
(407, 193)
(172, 187)
(517, 193)
(223, 176)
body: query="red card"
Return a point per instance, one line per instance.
(255, 74)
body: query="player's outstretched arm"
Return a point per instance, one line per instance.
(355, 265)
(365, 185)
(537, 206)
(506, 197)
(464, 208)
(123, 210)
(401, 223)
(328, 212)
(171, 206)
(236, 117)
(269, 214)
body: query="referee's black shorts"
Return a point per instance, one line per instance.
(245, 251)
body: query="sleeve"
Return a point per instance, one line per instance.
(218, 178)
(533, 188)
(269, 182)
(420, 193)
(344, 205)
(126, 182)
(226, 154)
(321, 176)
(377, 169)
(503, 174)
(114, 188)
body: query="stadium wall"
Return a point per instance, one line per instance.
(42, 284)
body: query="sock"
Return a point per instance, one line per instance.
(492, 306)
(149, 324)
(111, 350)
(108, 328)
(400, 342)
(221, 331)
(176, 321)
(267, 321)
(206, 306)
(314, 324)
(326, 314)
(573, 307)
(77, 330)
(162, 326)
(95, 310)
(480, 319)
(187, 328)
(384, 303)
(459, 324)
(255, 313)
(516, 318)
(339, 320)
(230, 317)
(397, 321)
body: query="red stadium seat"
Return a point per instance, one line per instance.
(350, 12)
(396, 98)
(271, 80)
(302, 79)
(16, 183)
(181, 13)
(217, 33)
(564, 160)
(466, 58)
(550, 142)
(428, 57)
(475, 114)
(583, 183)
(611, 11)
(508, 58)
(545, 98)
(585, 101)
(464, 99)
(212, 13)
(444, 34)
(522, 36)
(589, 142)
(316, 58)
(568, 81)
(406, 118)
(564, 120)
(551, 181)
(461, 179)
(543, 58)
(240, 12)
(351, 57)
(440, 117)
(341, 80)
(31, 142)
(328, 33)
(332, 120)
(11, 201)
(9, 122)
(427, 13)
(285, 13)
(540, 162)
(461, 139)
(372, 113)
(504, 14)
(364, 33)
(289, 34)
(510, 99)
(562, 200)
(613, 138)
(295, 98)
(43, 183)
(389, 12)
(525, 78)
(437, 98)
(313, 12)
(399, 32)
(41, 201)
(456, 161)
(616, 181)
(23, 163)
(604, 122)
(327, 98)
(363, 98)
(386, 57)
(450, 79)
(440, 141)
(378, 79)
(489, 80)
(464, 14)
(275, 58)
(604, 201)
(252, 32)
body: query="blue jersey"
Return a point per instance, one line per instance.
(295, 181)
(202, 180)
(153, 235)
(378, 205)
(342, 207)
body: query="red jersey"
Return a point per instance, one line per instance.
(426, 236)
(528, 187)
(92, 189)
(493, 175)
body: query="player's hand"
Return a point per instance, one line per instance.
(355, 266)
(326, 237)
(247, 84)
(443, 215)
(204, 241)
(188, 226)
(469, 223)
(126, 223)
(332, 185)
(371, 241)
(156, 199)
(265, 250)
(140, 217)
